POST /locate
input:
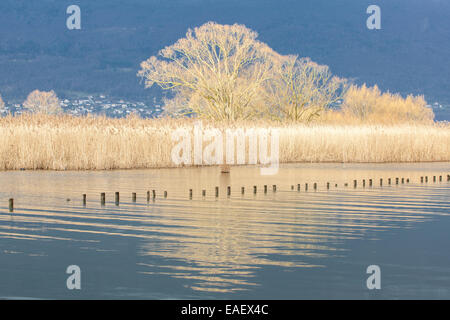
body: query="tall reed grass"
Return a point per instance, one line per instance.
(90, 143)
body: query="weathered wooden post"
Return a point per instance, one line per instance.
(328, 185)
(165, 194)
(440, 178)
(117, 199)
(396, 180)
(421, 179)
(190, 193)
(265, 188)
(364, 183)
(148, 196)
(217, 192)
(292, 187)
(434, 178)
(389, 181)
(204, 193)
(11, 205)
(448, 177)
(229, 191)
(274, 188)
(242, 190)
(84, 200)
(306, 187)
(370, 182)
(407, 180)
(355, 183)
(298, 187)
(403, 180)
(426, 179)
(315, 186)
(102, 198)
(381, 182)
(254, 189)
(154, 194)
(133, 197)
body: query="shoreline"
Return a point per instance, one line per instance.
(244, 166)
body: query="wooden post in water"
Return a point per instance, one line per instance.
(165, 194)
(254, 189)
(217, 192)
(434, 178)
(306, 187)
(389, 181)
(396, 180)
(190, 193)
(11, 205)
(440, 178)
(274, 188)
(381, 182)
(229, 191)
(84, 200)
(355, 183)
(298, 187)
(242, 190)
(403, 180)
(204, 193)
(292, 187)
(364, 183)
(421, 179)
(117, 199)
(328, 185)
(265, 188)
(133, 197)
(315, 186)
(153, 194)
(148, 196)
(370, 182)
(407, 180)
(426, 179)
(102, 198)
(448, 177)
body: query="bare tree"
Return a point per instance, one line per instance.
(215, 72)
(43, 102)
(303, 89)
(2, 103)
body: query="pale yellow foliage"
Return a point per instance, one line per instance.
(43, 102)
(302, 90)
(216, 71)
(369, 105)
(38, 141)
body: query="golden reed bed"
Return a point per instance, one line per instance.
(96, 143)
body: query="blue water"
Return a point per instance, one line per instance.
(283, 245)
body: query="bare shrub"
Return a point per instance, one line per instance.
(370, 105)
(43, 102)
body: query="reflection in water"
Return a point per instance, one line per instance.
(215, 245)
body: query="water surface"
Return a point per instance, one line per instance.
(286, 244)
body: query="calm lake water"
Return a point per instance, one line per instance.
(283, 245)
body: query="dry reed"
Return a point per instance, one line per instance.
(96, 143)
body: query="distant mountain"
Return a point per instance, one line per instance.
(409, 55)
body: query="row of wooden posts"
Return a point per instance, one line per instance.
(274, 188)
(152, 194)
